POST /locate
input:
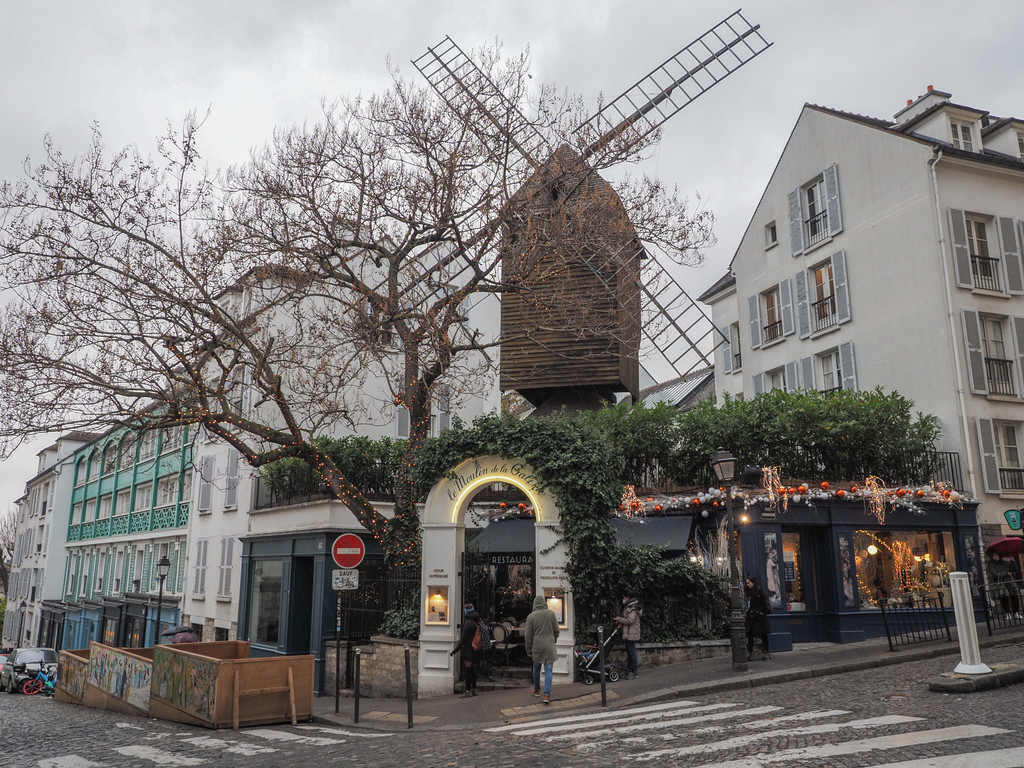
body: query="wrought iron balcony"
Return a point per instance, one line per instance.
(824, 313)
(985, 270)
(817, 228)
(999, 375)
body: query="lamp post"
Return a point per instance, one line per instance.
(724, 464)
(21, 631)
(162, 569)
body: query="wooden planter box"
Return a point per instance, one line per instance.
(217, 685)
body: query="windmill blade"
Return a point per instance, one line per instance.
(668, 88)
(472, 95)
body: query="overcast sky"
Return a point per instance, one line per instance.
(132, 66)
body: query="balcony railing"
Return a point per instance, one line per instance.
(985, 270)
(999, 374)
(817, 228)
(1011, 479)
(824, 313)
(773, 331)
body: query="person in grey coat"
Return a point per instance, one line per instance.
(630, 623)
(541, 635)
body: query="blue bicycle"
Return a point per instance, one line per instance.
(45, 681)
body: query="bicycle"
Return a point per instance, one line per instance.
(45, 680)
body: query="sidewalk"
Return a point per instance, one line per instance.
(691, 678)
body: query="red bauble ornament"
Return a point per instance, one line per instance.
(901, 493)
(802, 489)
(919, 493)
(840, 494)
(657, 507)
(824, 485)
(792, 491)
(696, 502)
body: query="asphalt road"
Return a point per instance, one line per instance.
(881, 717)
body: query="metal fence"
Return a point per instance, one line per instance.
(1002, 603)
(922, 621)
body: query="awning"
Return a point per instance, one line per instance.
(516, 535)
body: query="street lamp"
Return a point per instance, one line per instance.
(724, 464)
(162, 569)
(21, 632)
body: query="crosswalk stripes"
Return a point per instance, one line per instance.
(211, 746)
(729, 726)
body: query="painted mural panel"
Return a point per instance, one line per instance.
(71, 675)
(186, 682)
(120, 675)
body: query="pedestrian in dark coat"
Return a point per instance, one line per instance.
(758, 608)
(470, 657)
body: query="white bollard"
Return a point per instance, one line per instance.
(966, 629)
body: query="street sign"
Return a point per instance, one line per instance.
(344, 578)
(1012, 519)
(348, 550)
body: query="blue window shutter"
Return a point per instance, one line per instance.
(792, 384)
(842, 287)
(975, 354)
(987, 447)
(961, 255)
(754, 311)
(807, 373)
(786, 304)
(796, 223)
(727, 350)
(835, 216)
(803, 305)
(758, 383)
(848, 365)
(1007, 228)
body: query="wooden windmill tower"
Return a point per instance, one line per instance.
(598, 301)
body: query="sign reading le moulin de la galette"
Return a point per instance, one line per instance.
(499, 470)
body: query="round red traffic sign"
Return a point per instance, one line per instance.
(348, 550)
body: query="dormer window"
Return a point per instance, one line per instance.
(962, 136)
(1020, 145)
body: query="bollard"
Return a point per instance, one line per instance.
(966, 630)
(408, 684)
(355, 681)
(600, 661)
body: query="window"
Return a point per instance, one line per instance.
(776, 379)
(401, 422)
(771, 235)
(732, 358)
(105, 506)
(167, 491)
(109, 458)
(94, 465)
(76, 513)
(984, 268)
(772, 315)
(207, 468)
(147, 445)
(90, 510)
(186, 487)
(894, 564)
(143, 497)
(986, 252)
(998, 365)
(128, 451)
(172, 439)
(823, 304)
(124, 502)
(1011, 473)
(265, 602)
(1020, 145)
(831, 378)
(814, 211)
(962, 136)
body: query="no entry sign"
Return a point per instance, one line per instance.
(348, 550)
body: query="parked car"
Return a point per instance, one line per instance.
(24, 664)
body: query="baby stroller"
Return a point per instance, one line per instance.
(588, 659)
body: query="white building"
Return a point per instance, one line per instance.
(38, 563)
(888, 254)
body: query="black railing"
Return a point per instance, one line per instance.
(817, 228)
(1002, 603)
(773, 331)
(301, 488)
(999, 374)
(824, 313)
(1011, 479)
(920, 620)
(737, 360)
(985, 270)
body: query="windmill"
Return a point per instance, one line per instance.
(625, 303)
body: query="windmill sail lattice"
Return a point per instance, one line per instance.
(676, 332)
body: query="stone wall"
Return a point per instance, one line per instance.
(329, 662)
(660, 654)
(382, 668)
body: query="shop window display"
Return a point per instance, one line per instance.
(791, 572)
(903, 567)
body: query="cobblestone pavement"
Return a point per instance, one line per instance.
(879, 717)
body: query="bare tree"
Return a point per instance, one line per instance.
(8, 534)
(340, 261)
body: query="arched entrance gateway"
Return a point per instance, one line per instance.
(444, 544)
